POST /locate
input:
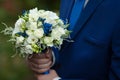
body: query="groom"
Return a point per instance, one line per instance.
(95, 52)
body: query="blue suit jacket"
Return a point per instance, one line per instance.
(95, 52)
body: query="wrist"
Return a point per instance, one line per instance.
(57, 78)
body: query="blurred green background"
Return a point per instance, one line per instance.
(16, 68)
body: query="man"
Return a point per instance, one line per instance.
(95, 52)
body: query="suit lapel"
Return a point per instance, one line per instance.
(65, 8)
(85, 15)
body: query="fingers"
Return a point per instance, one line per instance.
(48, 54)
(41, 66)
(39, 61)
(52, 71)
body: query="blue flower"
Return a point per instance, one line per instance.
(24, 12)
(22, 34)
(47, 28)
(41, 19)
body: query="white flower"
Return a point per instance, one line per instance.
(51, 15)
(41, 11)
(25, 42)
(28, 49)
(29, 32)
(39, 24)
(51, 21)
(33, 14)
(18, 26)
(57, 33)
(19, 40)
(48, 41)
(31, 25)
(24, 50)
(32, 39)
(60, 30)
(39, 32)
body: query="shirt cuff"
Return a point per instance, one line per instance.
(53, 59)
(57, 78)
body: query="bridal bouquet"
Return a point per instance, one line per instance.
(37, 30)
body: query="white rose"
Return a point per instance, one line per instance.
(26, 43)
(39, 33)
(41, 11)
(18, 26)
(60, 30)
(48, 41)
(32, 39)
(19, 40)
(39, 24)
(57, 33)
(26, 50)
(28, 47)
(51, 15)
(50, 21)
(33, 14)
(31, 25)
(29, 32)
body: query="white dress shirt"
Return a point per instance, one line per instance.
(86, 1)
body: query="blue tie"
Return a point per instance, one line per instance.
(76, 11)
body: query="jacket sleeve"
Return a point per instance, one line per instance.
(55, 57)
(114, 73)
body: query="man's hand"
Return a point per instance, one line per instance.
(40, 63)
(49, 76)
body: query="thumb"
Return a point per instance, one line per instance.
(49, 53)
